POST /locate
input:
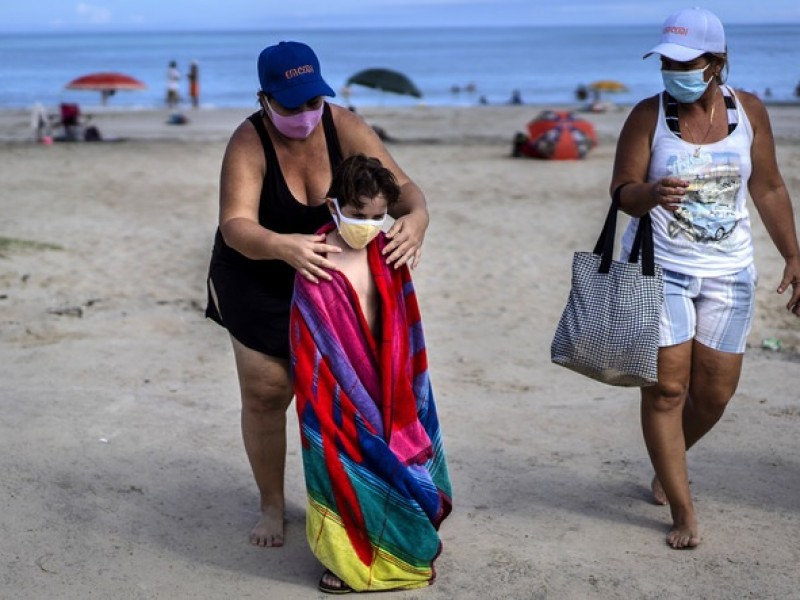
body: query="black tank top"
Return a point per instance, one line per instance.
(279, 211)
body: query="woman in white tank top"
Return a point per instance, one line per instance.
(689, 156)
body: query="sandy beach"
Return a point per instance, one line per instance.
(122, 470)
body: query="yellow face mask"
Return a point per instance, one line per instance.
(356, 232)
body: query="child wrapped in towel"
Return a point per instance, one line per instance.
(374, 464)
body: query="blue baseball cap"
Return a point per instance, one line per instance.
(289, 71)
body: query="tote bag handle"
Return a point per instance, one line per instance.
(643, 242)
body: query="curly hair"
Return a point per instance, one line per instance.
(361, 176)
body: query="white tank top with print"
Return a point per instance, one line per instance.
(709, 235)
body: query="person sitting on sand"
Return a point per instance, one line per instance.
(375, 470)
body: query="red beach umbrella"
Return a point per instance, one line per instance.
(106, 83)
(559, 135)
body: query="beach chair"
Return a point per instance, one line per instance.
(71, 120)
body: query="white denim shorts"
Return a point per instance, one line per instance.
(715, 311)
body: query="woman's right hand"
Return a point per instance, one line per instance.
(668, 192)
(305, 253)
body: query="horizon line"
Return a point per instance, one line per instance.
(349, 27)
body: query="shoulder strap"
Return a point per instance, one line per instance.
(730, 108)
(331, 137)
(266, 142)
(671, 114)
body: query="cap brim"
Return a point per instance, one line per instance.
(675, 52)
(300, 94)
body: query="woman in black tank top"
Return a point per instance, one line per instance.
(254, 295)
(275, 174)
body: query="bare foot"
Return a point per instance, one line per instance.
(684, 534)
(331, 584)
(659, 497)
(268, 532)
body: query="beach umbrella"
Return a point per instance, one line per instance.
(558, 135)
(608, 85)
(385, 80)
(106, 83)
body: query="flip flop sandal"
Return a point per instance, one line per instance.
(340, 589)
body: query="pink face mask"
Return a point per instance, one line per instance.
(299, 126)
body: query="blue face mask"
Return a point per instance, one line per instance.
(685, 86)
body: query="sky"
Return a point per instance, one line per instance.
(17, 16)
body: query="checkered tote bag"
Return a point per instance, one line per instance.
(610, 325)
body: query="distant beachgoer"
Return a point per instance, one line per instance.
(345, 92)
(520, 139)
(105, 95)
(194, 83)
(516, 97)
(581, 93)
(91, 133)
(177, 118)
(40, 122)
(689, 156)
(276, 172)
(173, 84)
(383, 134)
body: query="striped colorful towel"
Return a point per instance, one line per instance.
(375, 470)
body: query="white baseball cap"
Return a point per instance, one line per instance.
(689, 33)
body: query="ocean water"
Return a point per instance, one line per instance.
(545, 64)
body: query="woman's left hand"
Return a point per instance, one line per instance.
(406, 236)
(791, 279)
